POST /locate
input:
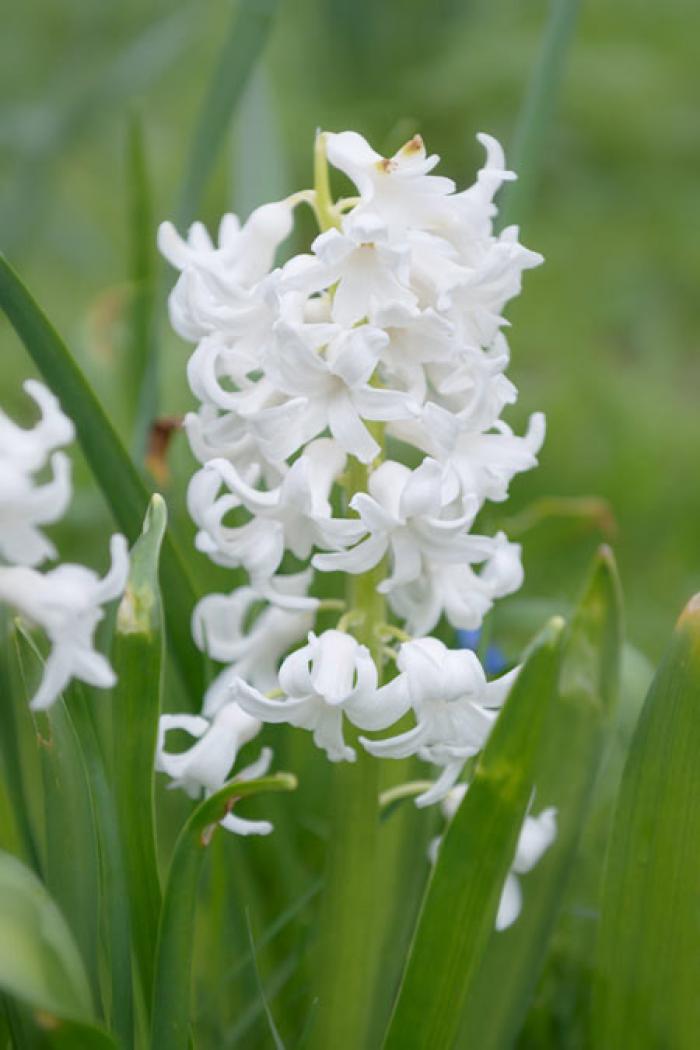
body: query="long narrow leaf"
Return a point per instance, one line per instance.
(171, 1001)
(648, 967)
(121, 484)
(39, 961)
(459, 909)
(251, 24)
(137, 660)
(538, 108)
(142, 348)
(574, 739)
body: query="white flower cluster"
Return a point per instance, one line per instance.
(66, 601)
(380, 355)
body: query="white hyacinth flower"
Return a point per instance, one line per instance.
(331, 677)
(67, 604)
(319, 380)
(403, 514)
(454, 706)
(24, 503)
(219, 627)
(206, 765)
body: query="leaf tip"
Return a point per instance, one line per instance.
(690, 617)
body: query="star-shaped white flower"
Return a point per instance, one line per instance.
(294, 516)
(404, 514)
(206, 765)
(330, 678)
(455, 708)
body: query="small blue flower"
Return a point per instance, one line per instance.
(494, 661)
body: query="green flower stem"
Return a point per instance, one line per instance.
(326, 213)
(347, 950)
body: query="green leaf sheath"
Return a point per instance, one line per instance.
(574, 739)
(459, 908)
(39, 961)
(137, 660)
(114, 471)
(251, 24)
(171, 1000)
(647, 977)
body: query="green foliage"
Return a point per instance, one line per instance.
(137, 660)
(39, 962)
(649, 945)
(171, 1002)
(459, 909)
(574, 741)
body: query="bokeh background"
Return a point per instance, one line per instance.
(605, 336)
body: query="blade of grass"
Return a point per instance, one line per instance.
(70, 860)
(142, 349)
(11, 752)
(251, 24)
(114, 888)
(646, 978)
(171, 999)
(538, 109)
(459, 908)
(574, 740)
(113, 470)
(137, 660)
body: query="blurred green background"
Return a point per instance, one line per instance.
(605, 336)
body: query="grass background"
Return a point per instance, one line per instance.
(605, 336)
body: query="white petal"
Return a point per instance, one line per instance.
(510, 904)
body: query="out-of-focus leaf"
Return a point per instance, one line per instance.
(251, 24)
(39, 961)
(538, 109)
(459, 910)
(114, 471)
(137, 660)
(171, 999)
(142, 347)
(574, 740)
(648, 964)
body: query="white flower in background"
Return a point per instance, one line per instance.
(454, 706)
(536, 836)
(67, 604)
(25, 503)
(206, 765)
(350, 420)
(331, 677)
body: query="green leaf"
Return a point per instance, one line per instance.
(113, 884)
(171, 1001)
(646, 978)
(537, 110)
(574, 740)
(112, 468)
(459, 909)
(137, 659)
(39, 961)
(142, 348)
(251, 24)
